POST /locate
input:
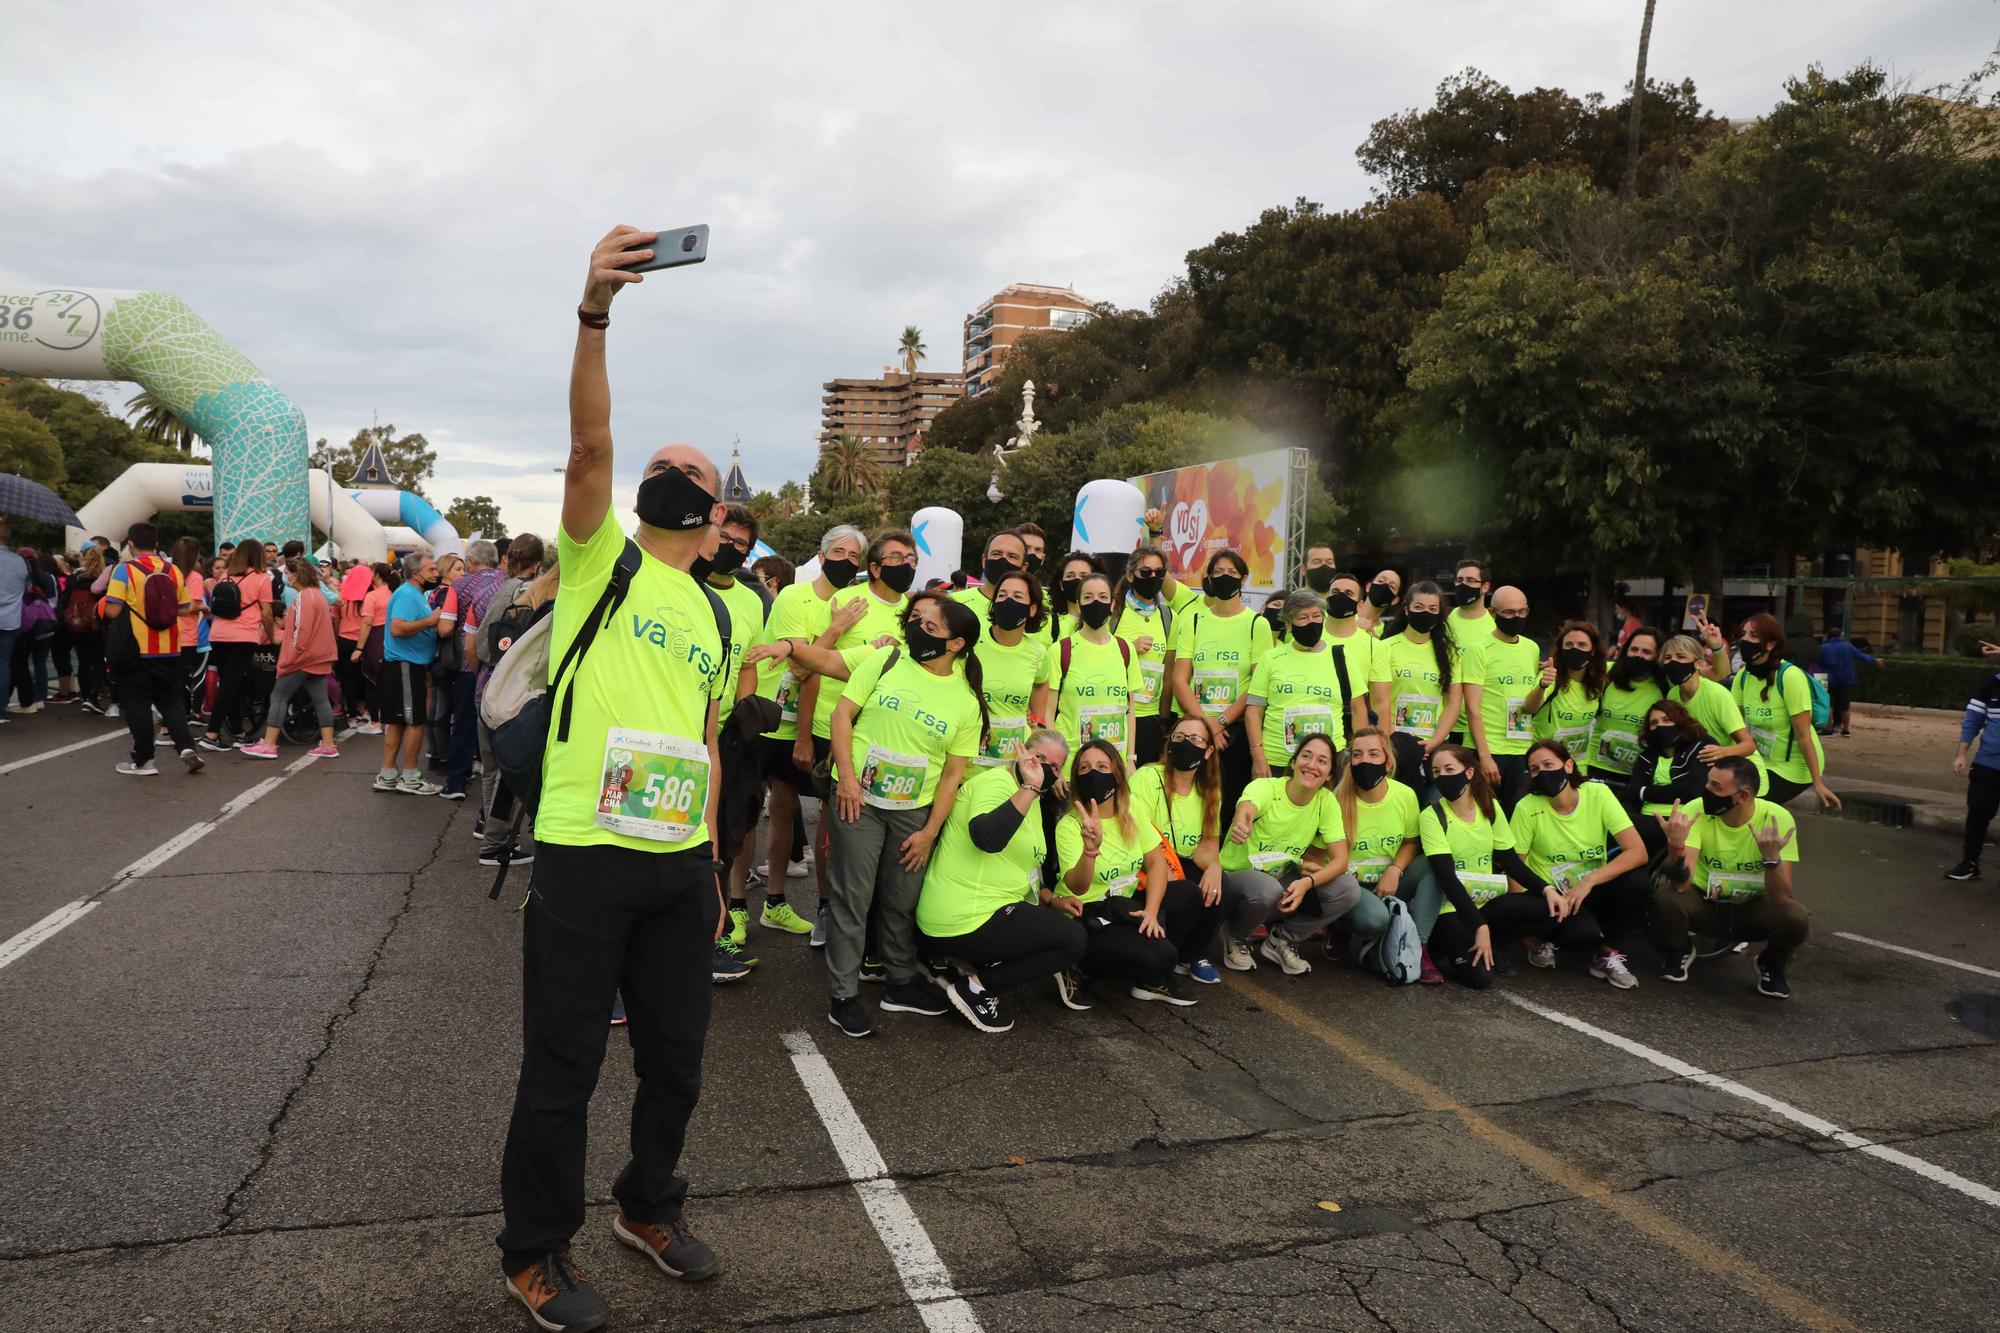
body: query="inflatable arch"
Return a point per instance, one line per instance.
(413, 512)
(255, 433)
(145, 489)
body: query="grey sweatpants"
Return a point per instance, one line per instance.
(1343, 900)
(291, 683)
(864, 869)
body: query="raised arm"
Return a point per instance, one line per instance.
(587, 479)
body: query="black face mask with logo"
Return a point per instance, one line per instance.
(1185, 755)
(1341, 605)
(1380, 595)
(924, 646)
(1307, 636)
(1548, 782)
(673, 501)
(1095, 785)
(1368, 776)
(1222, 587)
(1678, 672)
(1010, 615)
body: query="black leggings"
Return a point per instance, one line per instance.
(1235, 767)
(1781, 791)
(1509, 916)
(1621, 905)
(1021, 942)
(1118, 952)
(232, 690)
(353, 687)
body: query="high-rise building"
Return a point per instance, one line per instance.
(1017, 309)
(889, 414)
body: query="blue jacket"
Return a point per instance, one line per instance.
(1982, 719)
(1837, 657)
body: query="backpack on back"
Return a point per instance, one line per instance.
(225, 600)
(1822, 702)
(1397, 957)
(159, 597)
(79, 612)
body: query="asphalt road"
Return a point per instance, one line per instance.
(263, 1085)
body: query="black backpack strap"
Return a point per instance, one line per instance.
(615, 589)
(1346, 691)
(723, 625)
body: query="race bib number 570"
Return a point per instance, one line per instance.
(653, 786)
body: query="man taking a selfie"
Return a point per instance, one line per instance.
(625, 896)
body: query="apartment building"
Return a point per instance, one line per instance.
(889, 414)
(1016, 310)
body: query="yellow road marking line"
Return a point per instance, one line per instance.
(1640, 1216)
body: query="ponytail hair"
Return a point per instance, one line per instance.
(961, 623)
(1442, 647)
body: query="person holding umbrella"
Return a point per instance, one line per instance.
(31, 500)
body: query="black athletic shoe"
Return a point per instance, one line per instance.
(1771, 979)
(915, 997)
(671, 1245)
(981, 1008)
(1963, 870)
(556, 1295)
(850, 1017)
(1676, 969)
(1073, 988)
(874, 971)
(1164, 992)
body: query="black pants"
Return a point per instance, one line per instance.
(1620, 905)
(1982, 802)
(1116, 951)
(1509, 916)
(602, 921)
(1235, 768)
(232, 688)
(1513, 780)
(1781, 791)
(89, 665)
(353, 686)
(1679, 914)
(155, 682)
(1021, 942)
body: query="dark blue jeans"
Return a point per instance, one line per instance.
(7, 637)
(464, 732)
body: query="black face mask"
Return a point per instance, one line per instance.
(1222, 587)
(1368, 776)
(1711, 804)
(728, 558)
(1070, 588)
(1341, 605)
(1185, 755)
(1548, 782)
(1514, 625)
(1629, 668)
(1462, 595)
(839, 573)
(1575, 659)
(898, 577)
(1095, 786)
(1094, 614)
(997, 569)
(1664, 738)
(1380, 594)
(1275, 621)
(1148, 584)
(1753, 653)
(1451, 786)
(1423, 622)
(673, 500)
(924, 646)
(701, 568)
(1034, 563)
(1678, 672)
(1305, 636)
(1010, 615)
(1320, 578)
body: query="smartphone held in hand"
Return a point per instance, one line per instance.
(673, 247)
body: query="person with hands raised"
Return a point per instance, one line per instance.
(1285, 841)
(908, 722)
(1565, 701)
(1472, 856)
(983, 904)
(1567, 829)
(1112, 874)
(1669, 770)
(1182, 794)
(1729, 877)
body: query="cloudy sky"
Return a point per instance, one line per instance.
(388, 206)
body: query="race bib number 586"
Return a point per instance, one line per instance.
(653, 786)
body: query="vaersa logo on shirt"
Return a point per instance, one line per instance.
(922, 716)
(675, 638)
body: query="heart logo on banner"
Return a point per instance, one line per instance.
(1188, 526)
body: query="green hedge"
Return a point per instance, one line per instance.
(1924, 681)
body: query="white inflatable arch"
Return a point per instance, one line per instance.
(146, 489)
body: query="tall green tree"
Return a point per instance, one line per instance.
(846, 467)
(410, 457)
(476, 513)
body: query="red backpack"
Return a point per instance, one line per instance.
(159, 601)
(79, 613)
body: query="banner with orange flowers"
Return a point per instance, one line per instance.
(1239, 503)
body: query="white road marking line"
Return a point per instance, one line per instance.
(47, 928)
(1917, 953)
(1971, 1189)
(58, 753)
(924, 1275)
(42, 929)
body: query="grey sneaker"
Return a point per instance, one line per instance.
(1280, 950)
(671, 1245)
(386, 782)
(193, 760)
(132, 770)
(557, 1297)
(418, 787)
(1236, 956)
(818, 940)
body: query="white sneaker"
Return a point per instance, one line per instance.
(24, 708)
(1542, 954)
(132, 770)
(799, 869)
(1610, 966)
(419, 787)
(113, 711)
(1236, 956)
(1281, 951)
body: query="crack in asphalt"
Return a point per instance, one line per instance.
(233, 1204)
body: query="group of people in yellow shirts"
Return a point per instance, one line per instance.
(1130, 781)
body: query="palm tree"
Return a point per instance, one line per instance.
(911, 348)
(847, 468)
(157, 420)
(1638, 100)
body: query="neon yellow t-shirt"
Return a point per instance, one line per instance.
(979, 603)
(1121, 861)
(1009, 677)
(1221, 652)
(1410, 670)
(651, 672)
(1470, 846)
(1713, 709)
(1095, 695)
(1284, 830)
(1564, 848)
(1300, 694)
(1567, 715)
(1467, 634)
(746, 626)
(881, 618)
(1380, 830)
(1179, 818)
(797, 612)
(1621, 722)
(1138, 621)
(963, 886)
(1770, 721)
(1506, 674)
(910, 722)
(1730, 866)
